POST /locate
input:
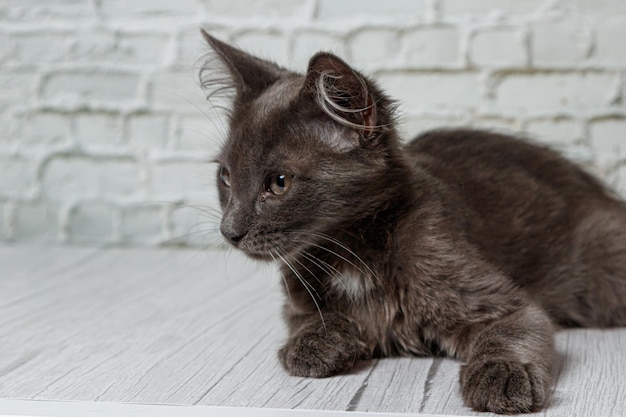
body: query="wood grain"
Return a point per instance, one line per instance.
(202, 328)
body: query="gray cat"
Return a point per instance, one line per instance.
(463, 243)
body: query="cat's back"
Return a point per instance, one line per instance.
(520, 203)
(499, 162)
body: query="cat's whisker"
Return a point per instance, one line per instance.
(305, 284)
(205, 133)
(310, 273)
(206, 232)
(338, 255)
(285, 282)
(344, 247)
(347, 249)
(323, 265)
(335, 273)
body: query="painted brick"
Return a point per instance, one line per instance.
(90, 46)
(84, 86)
(433, 90)
(43, 129)
(9, 132)
(41, 47)
(486, 7)
(194, 226)
(306, 44)
(608, 139)
(203, 135)
(558, 44)
(8, 47)
(18, 176)
(560, 132)
(28, 10)
(98, 130)
(5, 233)
(610, 49)
(144, 49)
(193, 49)
(88, 86)
(147, 131)
(272, 46)
(68, 176)
(497, 48)
(351, 9)
(177, 90)
(433, 48)
(18, 88)
(130, 48)
(142, 224)
(149, 8)
(91, 222)
(189, 180)
(413, 125)
(496, 124)
(259, 8)
(596, 7)
(36, 222)
(375, 47)
(554, 92)
(619, 181)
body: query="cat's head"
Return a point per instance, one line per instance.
(306, 154)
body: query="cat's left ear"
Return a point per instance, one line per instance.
(250, 75)
(342, 93)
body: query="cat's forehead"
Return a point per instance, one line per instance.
(276, 98)
(267, 128)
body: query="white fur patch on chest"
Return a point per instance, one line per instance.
(351, 284)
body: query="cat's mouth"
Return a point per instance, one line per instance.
(270, 248)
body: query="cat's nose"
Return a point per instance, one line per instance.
(234, 236)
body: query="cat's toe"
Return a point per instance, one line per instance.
(503, 387)
(314, 356)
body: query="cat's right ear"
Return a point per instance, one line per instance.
(343, 94)
(249, 75)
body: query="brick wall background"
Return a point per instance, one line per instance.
(105, 134)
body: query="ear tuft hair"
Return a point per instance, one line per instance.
(248, 75)
(343, 94)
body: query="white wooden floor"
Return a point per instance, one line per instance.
(113, 332)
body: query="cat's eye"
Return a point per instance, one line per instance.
(278, 184)
(225, 176)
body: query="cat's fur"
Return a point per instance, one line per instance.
(465, 243)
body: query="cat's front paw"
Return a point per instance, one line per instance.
(318, 355)
(503, 387)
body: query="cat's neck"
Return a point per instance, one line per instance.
(369, 237)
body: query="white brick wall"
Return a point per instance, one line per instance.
(105, 134)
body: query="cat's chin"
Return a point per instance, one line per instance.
(266, 257)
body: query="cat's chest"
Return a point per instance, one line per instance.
(351, 284)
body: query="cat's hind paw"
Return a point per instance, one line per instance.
(503, 387)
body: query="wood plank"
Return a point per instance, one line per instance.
(128, 309)
(22, 262)
(398, 385)
(129, 329)
(592, 378)
(10, 408)
(445, 397)
(24, 268)
(187, 327)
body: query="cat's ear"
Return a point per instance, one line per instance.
(342, 93)
(250, 75)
